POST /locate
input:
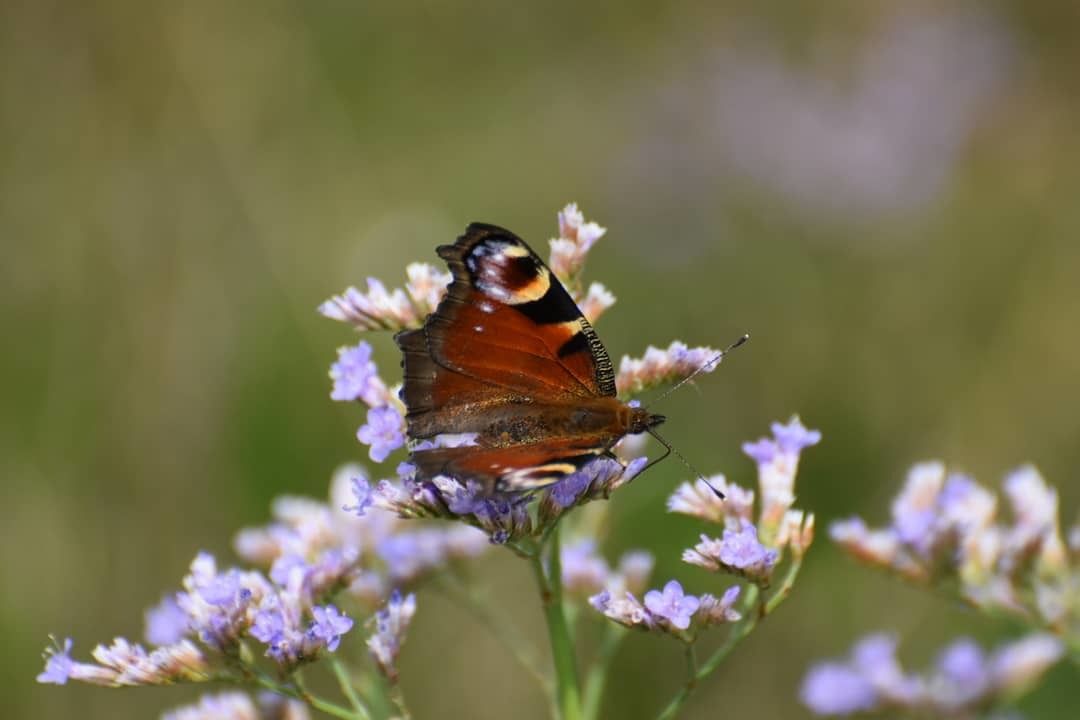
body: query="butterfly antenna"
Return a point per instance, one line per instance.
(717, 358)
(672, 451)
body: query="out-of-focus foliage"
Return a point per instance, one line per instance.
(884, 197)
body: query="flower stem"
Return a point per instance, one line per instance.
(345, 682)
(568, 694)
(598, 673)
(332, 709)
(756, 608)
(504, 631)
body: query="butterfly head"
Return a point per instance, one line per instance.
(641, 420)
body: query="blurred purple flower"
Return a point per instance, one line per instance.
(832, 688)
(58, 664)
(384, 432)
(165, 623)
(391, 625)
(355, 376)
(329, 625)
(963, 674)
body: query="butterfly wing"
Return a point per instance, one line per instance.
(507, 332)
(517, 467)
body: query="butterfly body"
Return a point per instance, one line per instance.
(507, 383)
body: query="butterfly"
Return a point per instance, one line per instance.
(507, 383)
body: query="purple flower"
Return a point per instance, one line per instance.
(567, 491)
(361, 490)
(962, 672)
(330, 624)
(833, 688)
(284, 566)
(583, 570)
(741, 549)
(269, 624)
(391, 625)
(58, 664)
(672, 605)
(383, 432)
(355, 376)
(165, 623)
(762, 451)
(222, 590)
(792, 438)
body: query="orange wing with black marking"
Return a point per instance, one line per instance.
(506, 339)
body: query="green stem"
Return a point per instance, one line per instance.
(598, 673)
(398, 698)
(345, 682)
(756, 607)
(332, 709)
(504, 631)
(568, 694)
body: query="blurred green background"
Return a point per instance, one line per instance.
(888, 199)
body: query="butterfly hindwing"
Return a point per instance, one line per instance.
(520, 467)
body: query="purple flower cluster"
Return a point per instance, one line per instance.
(126, 664)
(964, 678)
(738, 552)
(945, 526)
(504, 517)
(219, 609)
(382, 309)
(391, 625)
(348, 545)
(660, 367)
(669, 610)
(240, 706)
(585, 572)
(742, 550)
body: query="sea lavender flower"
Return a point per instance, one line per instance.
(329, 625)
(384, 432)
(377, 309)
(596, 300)
(777, 460)
(165, 623)
(963, 679)
(569, 250)
(738, 552)
(718, 610)
(391, 626)
(672, 604)
(58, 664)
(837, 689)
(127, 664)
(623, 608)
(356, 377)
(702, 499)
(660, 367)
(944, 525)
(234, 705)
(584, 571)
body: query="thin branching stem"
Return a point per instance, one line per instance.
(346, 685)
(596, 680)
(502, 629)
(756, 607)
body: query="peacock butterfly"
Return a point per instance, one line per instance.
(507, 383)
